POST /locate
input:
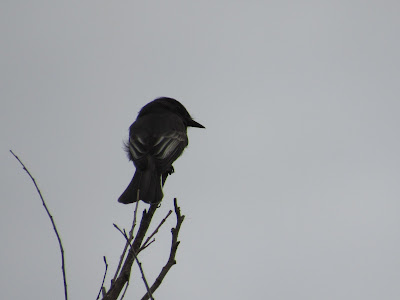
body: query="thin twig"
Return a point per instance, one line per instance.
(104, 277)
(137, 261)
(120, 263)
(155, 231)
(134, 214)
(52, 222)
(174, 247)
(117, 286)
(148, 244)
(126, 288)
(127, 243)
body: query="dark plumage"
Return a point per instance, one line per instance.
(156, 139)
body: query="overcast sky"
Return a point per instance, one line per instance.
(292, 190)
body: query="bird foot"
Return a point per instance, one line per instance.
(171, 170)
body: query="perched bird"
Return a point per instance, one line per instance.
(156, 139)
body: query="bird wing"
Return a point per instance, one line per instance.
(164, 148)
(168, 148)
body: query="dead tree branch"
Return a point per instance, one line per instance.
(123, 277)
(174, 247)
(52, 222)
(104, 277)
(123, 232)
(147, 243)
(128, 242)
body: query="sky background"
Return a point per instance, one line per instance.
(292, 190)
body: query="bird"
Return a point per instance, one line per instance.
(156, 139)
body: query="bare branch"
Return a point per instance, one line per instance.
(174, 247)
(125, 289)
(104, 277)
(52, 222)
(135, 214)
(130, 240)
(155, 231)
(148, 244)
(124, 275)
(137, 261)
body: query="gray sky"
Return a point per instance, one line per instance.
(292, 191)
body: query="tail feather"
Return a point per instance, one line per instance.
(148, 183)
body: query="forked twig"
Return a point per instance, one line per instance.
(174, 247)
(124, 275)
(52, 222)
(146, 243)
(127, 243)
(137, 261)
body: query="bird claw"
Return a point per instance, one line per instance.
(171, 170)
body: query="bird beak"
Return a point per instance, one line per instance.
(193, 123)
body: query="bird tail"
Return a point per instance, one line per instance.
(148, 182)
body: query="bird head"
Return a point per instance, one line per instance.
(169, 104)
